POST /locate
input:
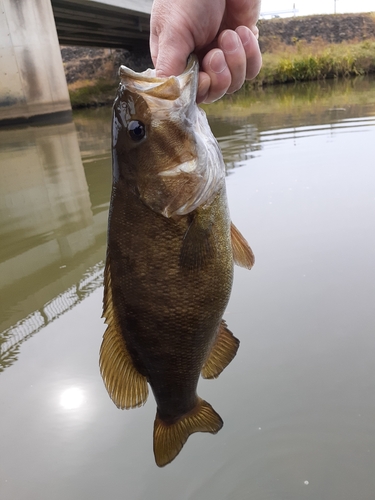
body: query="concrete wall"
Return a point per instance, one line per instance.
(32, 80)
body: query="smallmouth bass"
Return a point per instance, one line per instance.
(170, 254)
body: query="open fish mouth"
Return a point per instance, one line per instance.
(168, 87)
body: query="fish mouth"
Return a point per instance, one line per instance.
(170, 88)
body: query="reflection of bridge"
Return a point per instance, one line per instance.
(34, 83)
(12, 338)
(52, 227)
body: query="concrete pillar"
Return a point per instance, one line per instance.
(32, 79)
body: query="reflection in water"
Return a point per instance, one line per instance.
(12, 338)
(351, 125)
(52, 241)
(72, 398)
(54, 197)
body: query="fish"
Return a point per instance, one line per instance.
(171, 248)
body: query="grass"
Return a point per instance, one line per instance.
(86, 93)
(315, 61)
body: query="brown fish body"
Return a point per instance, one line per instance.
(169, 312)
(171, 248)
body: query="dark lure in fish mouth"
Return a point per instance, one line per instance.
(170, 255)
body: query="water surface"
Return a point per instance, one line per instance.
(298, 401)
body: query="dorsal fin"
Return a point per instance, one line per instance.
(242, 254)
(223, 351)
(125, 385)
(170, 438)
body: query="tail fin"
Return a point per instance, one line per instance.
(170, 438)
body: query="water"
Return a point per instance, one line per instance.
(298, 400)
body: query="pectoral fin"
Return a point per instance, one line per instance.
(125, 385)
(222, 352)
(198, 246)
(242, 254)
(170, 438)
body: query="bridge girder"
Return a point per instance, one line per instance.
(90, 23)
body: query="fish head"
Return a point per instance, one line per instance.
(163, 147)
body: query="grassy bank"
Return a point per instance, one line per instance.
(92, 93)
(318, 60)
(284, 63)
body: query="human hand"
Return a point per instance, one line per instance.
(222, 33)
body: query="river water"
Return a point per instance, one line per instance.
(298, 401)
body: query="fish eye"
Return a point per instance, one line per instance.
(136, 130)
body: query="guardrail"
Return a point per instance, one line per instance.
(278, 13)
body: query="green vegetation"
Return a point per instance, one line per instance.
(87, 93)
(319, 60)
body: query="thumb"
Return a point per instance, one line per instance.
(170, 51)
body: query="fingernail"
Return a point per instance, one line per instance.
(217, 62)
(229, 41)
(244, 33)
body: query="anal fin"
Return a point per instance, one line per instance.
(222, 352)
(242, 254)
(125, 385)
(170, 438)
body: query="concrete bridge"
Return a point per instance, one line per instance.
(32, 79)
(105, 23)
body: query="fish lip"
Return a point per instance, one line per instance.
(166, 90)
(149, 75)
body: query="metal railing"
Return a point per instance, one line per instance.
(278, 13)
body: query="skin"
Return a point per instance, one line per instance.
(222, 33)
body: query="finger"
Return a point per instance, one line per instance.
(170, 52)
(252, 52)
(214, 64)
(230, 43)
(170, 44)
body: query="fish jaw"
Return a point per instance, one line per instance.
(187, 167)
